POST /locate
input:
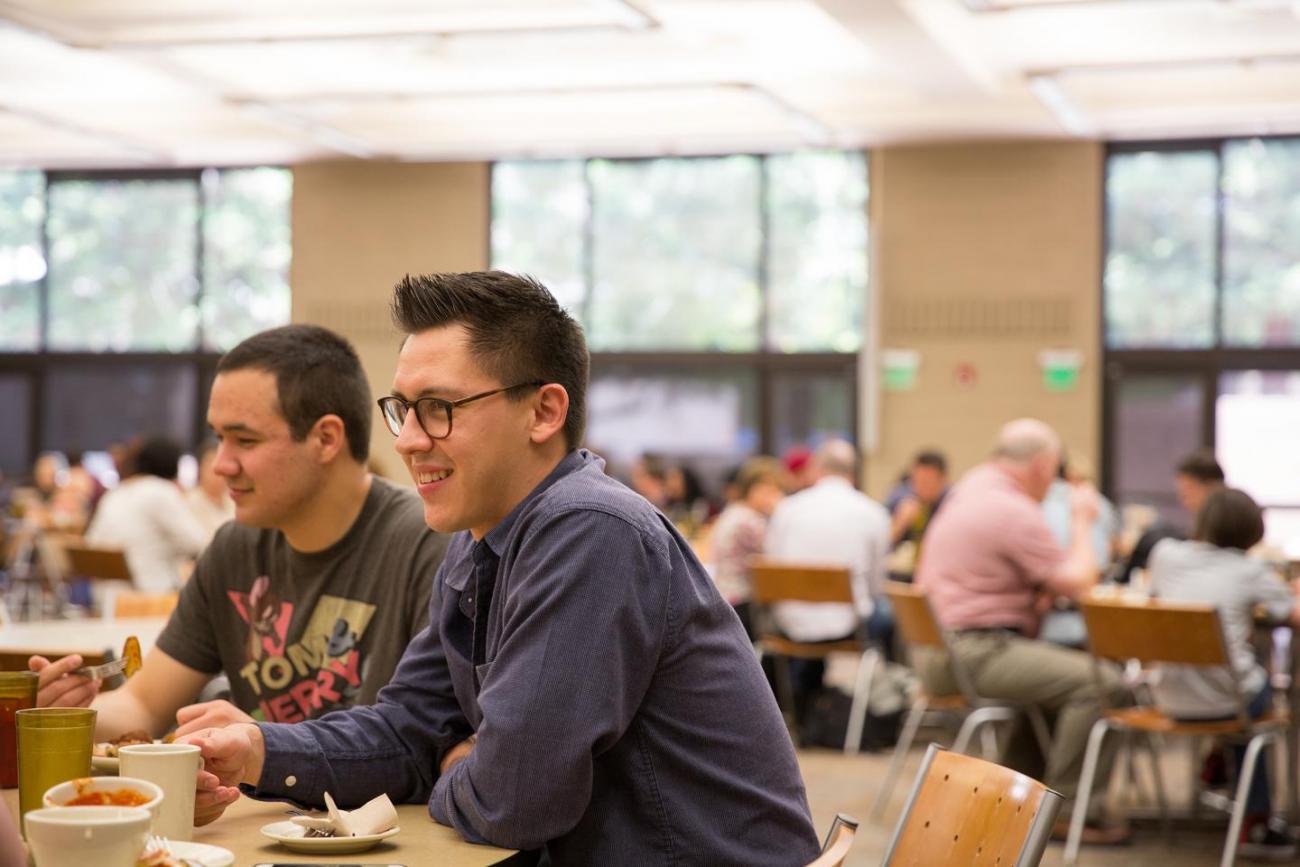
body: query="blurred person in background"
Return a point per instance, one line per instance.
(1195, 478)
(991, 567)
(800, 473)
(649, 478)
(89, 489)
(831, 523)
(147, 517)
(209, 501)
(685, 502)
(916, 499)
(1077, 470)
(50, 503)
(308, 599)
(741, 529)
(1213, 568)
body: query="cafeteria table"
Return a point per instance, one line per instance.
(420, 842)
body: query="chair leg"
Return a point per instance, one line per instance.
(1246, 774)
(1158, 782)
(905, 739)
(785, 693)
(1194, 745)
(1041, 732)
(861, 698)
(976, 718)
(1091, 759)
(989, 743)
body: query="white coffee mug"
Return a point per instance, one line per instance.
(174, 768)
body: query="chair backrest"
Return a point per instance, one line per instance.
(88, 561)
(838, 842)
(132, 604)
(913, 616)
(967, 811)
(778, 581)
(1152, 631)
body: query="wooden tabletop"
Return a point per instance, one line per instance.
(420, 842)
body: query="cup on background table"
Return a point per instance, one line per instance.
(17, 692)
(174, 768)
(53, 747)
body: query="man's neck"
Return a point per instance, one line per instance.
(332, 511)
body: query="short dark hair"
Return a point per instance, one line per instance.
(158, 456)
(1202, 466)
(1229, 518)
(317, 373)
(933, 459)
(518, 332)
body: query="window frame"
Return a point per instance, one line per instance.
(766, 360)
(34, 365)
(1205, 364)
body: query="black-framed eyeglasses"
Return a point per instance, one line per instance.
(433, 413)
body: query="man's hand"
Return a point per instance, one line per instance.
(907, 511)
(1085, 504)
(231, 756)
(208, 715)
(58, 687)
(457, 753)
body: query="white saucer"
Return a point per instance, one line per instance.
(204, 853)
(292, 837)
(105, 765)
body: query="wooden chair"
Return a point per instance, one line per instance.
(1153, 632)
(967, 811)
(134, 604)
(839, 840)
(915, 622)
(91, 561)
(774, 582)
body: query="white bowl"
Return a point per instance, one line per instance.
(77, 836)
(58, 796)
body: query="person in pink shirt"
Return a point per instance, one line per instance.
(991, 567)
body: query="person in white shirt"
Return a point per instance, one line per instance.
(146, 516)
(209, 500)
(832, 523)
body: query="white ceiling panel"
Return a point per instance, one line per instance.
(237, 81)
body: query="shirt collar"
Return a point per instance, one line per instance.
(570, 463)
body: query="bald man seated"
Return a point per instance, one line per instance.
(991, 568)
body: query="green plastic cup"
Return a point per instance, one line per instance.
(17, 692)
(54, 746)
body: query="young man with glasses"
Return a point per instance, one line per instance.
(583, 687)
(307, 601)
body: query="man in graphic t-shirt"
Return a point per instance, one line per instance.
(307, 601)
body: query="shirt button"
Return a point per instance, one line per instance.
(291, 780)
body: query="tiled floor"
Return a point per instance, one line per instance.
(838, 783)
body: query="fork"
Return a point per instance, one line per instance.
(163, 844)
(103, 670)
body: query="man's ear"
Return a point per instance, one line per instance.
(550, 410)
(329, 436)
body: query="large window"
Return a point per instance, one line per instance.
(1202, 317)
(119, 291)
(722, 297)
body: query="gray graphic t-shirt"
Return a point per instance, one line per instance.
(299, 634)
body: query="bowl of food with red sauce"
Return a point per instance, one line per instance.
(106, 792)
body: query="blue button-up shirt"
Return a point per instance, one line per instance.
(620, 713)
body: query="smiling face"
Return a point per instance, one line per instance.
(271, 478)
(498, 449)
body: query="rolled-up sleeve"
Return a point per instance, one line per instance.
(392, 747)
(585, 617)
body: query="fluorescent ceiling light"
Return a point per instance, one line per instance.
(1057, 101)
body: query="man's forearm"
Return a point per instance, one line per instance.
(1081, 568)
(120, 711)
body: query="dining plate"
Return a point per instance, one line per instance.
(293, 837)
(202, 853)
(105, 765)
